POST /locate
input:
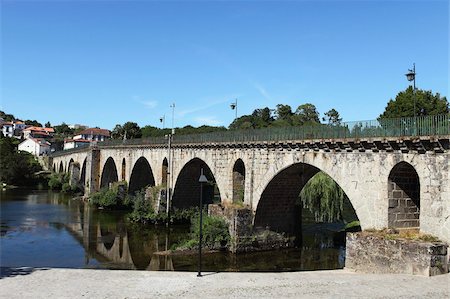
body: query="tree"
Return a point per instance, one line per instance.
(262, 117)
(34, 123)
(117, 132)
(323, 197)
(132, 130)
(306, 114)
(48, 125)
(17, 168)
(7, 117)
(427, 103)
(284, 112)
(63, 130)
(332, 117)
(128, 130)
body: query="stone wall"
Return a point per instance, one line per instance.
(369, 253)
(245, 238)
(404, 197)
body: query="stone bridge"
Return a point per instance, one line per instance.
(390, 181)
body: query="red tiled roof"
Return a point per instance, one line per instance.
(95, 131)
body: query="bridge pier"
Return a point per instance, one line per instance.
(92, 171)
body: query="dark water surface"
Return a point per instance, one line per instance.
(48, 229)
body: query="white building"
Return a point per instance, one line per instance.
(93, 134)
(74, 143)
(35, 146)
(8, 129)
(12, 128)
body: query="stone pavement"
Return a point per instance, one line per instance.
(84, 283)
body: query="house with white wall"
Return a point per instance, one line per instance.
(93, 134)
(74, 143)
(35, 146)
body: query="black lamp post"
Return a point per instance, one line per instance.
(201, 180)
(411, 76)
(234, 106)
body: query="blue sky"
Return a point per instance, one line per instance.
(101, 63)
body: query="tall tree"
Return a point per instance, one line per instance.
(63, 130)
(332, 117)
(48, 125)
(323, 197)
(306, 114)
(128, 130)
(427, 103)
(283, 112)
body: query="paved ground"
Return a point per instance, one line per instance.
(79, 283)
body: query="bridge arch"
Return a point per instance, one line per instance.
(403, 196)
(83, 173)
(278, 208)
(238, 181)
(61, 167)
(186, 193)
(141, 175)
(109, 173)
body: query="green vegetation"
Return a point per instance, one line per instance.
(408, 234)
(17, 167)
(323, 197)
(128, 130)
(214, 230)
(143, 211)
(114, 198)
(427, 103)
(60, 181)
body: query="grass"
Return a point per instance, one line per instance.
(402, 234)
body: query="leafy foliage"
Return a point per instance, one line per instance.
(16, 167)
(34, 122)
(306, 114)
(332, 117)
(128, 130)
(323, 197)
(427, 103)
(214, 230)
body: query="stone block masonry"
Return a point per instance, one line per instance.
(369, 253)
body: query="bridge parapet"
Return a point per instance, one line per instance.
(420, 134)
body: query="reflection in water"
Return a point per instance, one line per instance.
(83, 237)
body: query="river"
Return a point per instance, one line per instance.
(49, 229)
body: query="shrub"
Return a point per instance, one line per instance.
(215, 233)
(66, 188)
(57, 181)
(106, 198)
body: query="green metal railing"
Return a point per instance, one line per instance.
(395, 127)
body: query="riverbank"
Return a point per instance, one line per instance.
(77, 283)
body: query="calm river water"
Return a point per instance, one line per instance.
(48, 229)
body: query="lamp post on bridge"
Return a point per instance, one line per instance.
(170, 166)
(411, 76)
(201, 180)
(162, 120)
(234, 106)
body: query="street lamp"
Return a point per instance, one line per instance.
(162, 120)
(201, 180)
(170, 166)
(234, 106)
(411, 76)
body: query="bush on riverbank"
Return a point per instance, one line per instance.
(60, 182)
(112, 198)
(214, 230)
